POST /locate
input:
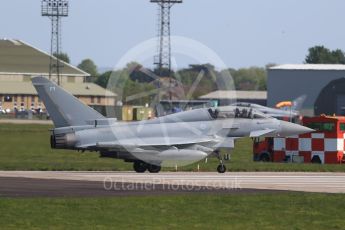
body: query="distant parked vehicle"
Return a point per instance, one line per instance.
(5, 111)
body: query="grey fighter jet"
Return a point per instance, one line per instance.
(187, 136)
(271, 112)
(292, 113)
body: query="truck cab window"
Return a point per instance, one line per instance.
(322, 126)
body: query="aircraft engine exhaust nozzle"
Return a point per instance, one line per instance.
(63, 141)
(290, 129)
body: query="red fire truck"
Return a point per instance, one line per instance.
(324, 146)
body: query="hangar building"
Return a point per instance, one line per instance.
(323, 85)
(224, 97)
(19, 62)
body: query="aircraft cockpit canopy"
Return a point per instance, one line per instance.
(236, 112)
(248, 105)
(242, 104)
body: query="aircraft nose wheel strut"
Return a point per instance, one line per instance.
(221, 167)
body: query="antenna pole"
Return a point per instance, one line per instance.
(162, 60)
(55, 10)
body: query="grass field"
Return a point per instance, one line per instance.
(282, 211)
(26, 147)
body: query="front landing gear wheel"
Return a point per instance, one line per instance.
(221, 168)
(154, 168)
(139, 166)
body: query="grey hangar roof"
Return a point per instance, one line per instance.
(82, 89)
(249, 95)
(18, 57)
(336, 67)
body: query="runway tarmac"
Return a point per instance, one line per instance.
(51, 184)
(14, 187)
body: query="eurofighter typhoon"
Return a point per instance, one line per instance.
(187, 136)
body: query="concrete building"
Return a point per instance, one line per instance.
(19, 62)
(229, 97)
(323, 86)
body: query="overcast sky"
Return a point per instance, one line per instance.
(243, 33)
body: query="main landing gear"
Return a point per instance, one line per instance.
(141, 167)
(221, 167)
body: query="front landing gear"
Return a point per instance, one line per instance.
(221, 167)
(141, 167)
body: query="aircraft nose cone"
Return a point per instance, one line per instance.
(290, 129)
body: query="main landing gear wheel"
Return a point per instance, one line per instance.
(154, 168)
(139, 166)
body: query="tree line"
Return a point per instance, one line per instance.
(134, 78)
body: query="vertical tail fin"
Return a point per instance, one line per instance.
(64, 109)
(298, 103)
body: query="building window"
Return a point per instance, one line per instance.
(92, 99)
(33, 99)
(98, 100)
(22, 98)
(15, 98)
(8, 98)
